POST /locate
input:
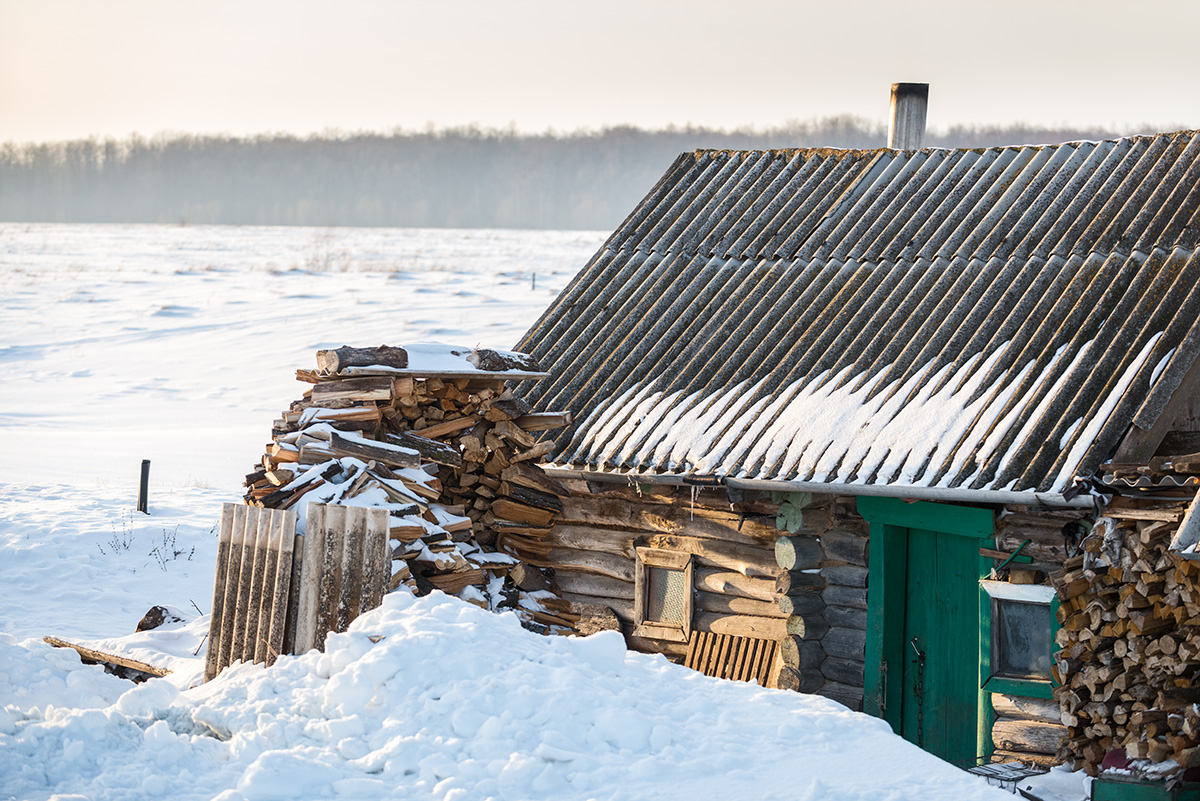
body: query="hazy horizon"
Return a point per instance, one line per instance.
(71, 70)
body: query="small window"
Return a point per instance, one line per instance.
(663, 595)
(1022, 624)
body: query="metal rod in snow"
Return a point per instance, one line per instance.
(906, 124)
(144, 487)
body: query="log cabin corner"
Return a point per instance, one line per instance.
(844, 420)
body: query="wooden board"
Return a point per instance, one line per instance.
(726, 656)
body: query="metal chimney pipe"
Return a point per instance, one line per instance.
(906, 127)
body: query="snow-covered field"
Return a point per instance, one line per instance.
(179, 345)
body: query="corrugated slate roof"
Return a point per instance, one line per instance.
(986, 319)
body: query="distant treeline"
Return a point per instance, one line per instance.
(459, 177)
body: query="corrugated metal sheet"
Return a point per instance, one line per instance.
(987, 319)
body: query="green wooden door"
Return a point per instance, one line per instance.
(941, 637)
(923, 583)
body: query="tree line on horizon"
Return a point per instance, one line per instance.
(450, 178)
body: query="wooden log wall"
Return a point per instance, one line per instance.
(843, 536)
(592, 552)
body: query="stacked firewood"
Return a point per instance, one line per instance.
(1130, 639)
(448, 452)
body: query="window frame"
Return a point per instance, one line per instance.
(1029, 688)
(647, 558)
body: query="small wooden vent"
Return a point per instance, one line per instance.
(727, 656)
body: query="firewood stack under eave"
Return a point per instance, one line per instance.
(448, 451)
(1130, 638)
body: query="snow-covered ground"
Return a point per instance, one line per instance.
(179, 345)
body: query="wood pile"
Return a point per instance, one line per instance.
(449, 452)
(1130, 636)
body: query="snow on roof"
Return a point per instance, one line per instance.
(967, 319)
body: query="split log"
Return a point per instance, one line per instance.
(379, 388)
(430, 449)
(374, 451)
(544, 421)
(334, 361)
(498, 361)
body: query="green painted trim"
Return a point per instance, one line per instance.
(966, 521)
(883, 688)
(985, 714)
(1024, 687)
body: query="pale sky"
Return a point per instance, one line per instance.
(78, 68)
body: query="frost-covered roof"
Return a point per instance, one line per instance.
(970, 319)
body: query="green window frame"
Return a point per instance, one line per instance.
(990, 592)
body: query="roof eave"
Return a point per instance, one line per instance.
(949, 494)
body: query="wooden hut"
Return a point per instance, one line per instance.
(821, 395)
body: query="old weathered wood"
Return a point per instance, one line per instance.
(224, 539)
(533, 477)
(799, 581)
(92, 655)
(622, 607)
(843, 671)
(531, 497)
(800, 603)
(846, 617)
(845, 575)
(593, 585)
(736, 605)
(430, 449)
(741, 625)
(801, 654)
(1035, 736)
(310, 580)
(544, 421)
(1022, 708)
(845, 546)
(807, 627)
(845, 643)
(747, 560)
(499, 361)
(333, 361)
(603, 540)
(853, 597)
(668, 515)
(393, 455)
(798, 553)
(358, 389)
(726, 582)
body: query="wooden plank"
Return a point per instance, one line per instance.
(377, 561)
(93, 655)
(224, 539)
(253, 593)
(232, 579)
(349, 603)
(282, 588)
(293, 602)
(332, 543)
(310, 579)
(244, 585)
(266, 590)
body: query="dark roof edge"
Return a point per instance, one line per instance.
(1030, 498)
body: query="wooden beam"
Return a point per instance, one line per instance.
(92, 655)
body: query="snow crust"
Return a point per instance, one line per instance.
(434, 698)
